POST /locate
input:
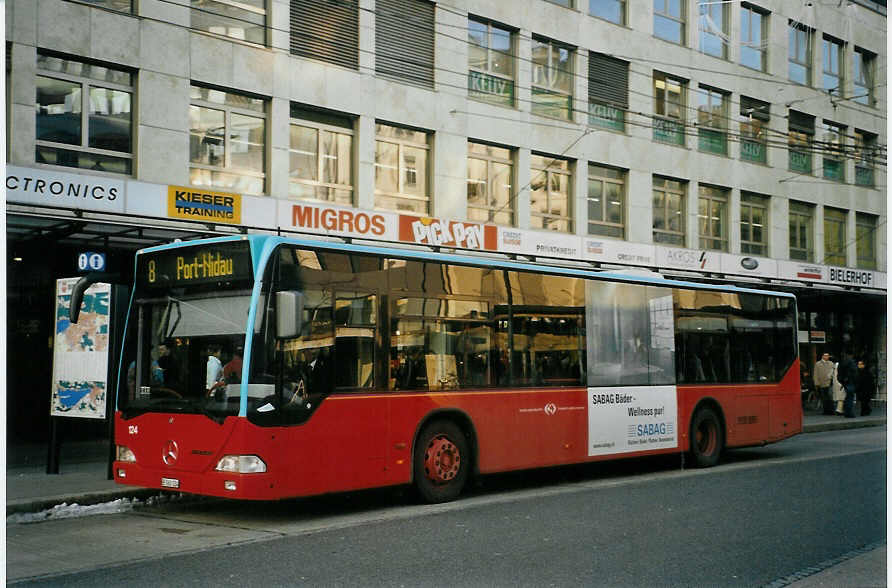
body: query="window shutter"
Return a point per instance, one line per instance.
(404, 41)
(804, 123)
(608, 80)
(755, 108)
(326, 30)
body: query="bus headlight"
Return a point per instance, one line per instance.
(124, 454)
(241, 464)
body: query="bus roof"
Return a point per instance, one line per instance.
(261, 242)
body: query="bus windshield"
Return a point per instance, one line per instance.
(186, 331)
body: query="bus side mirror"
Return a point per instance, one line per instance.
(77, 291)
(289, 314)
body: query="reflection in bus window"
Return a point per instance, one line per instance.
(440, 344)
(727, 337)
(356, 319)
(630, 335)
(545, 330)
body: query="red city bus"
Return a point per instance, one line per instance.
(372, 366)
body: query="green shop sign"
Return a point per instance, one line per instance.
(490, 88)
(606, 116)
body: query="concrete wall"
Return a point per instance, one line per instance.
(168, 57)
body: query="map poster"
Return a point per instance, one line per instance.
(80, 353)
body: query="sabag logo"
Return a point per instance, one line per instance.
(651, 429)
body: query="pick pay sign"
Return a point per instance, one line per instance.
(433, 231)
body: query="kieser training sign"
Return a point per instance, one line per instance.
(201, 205)
(632, 418)
(80, 353)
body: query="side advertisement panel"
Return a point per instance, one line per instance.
(632, 418)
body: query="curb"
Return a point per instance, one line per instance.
(844, 423)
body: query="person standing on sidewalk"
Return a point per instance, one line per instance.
(822, 376)
(847, 374)
(864, 388)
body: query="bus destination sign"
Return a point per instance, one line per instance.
(195, 265)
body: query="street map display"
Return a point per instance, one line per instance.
(80, 353)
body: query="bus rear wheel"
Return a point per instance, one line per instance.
(441, 462)
(707, 438)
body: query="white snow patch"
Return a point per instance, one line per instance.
(75, 510)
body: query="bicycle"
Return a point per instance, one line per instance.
(811, 400)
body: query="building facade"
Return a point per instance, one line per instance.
(735, 142)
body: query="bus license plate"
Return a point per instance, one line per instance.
(170, 483)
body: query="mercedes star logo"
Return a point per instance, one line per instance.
(170, 453)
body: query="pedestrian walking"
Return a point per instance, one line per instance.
(822, 376)
(864, 388)
(847, 374)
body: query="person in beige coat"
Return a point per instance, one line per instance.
(823, 379)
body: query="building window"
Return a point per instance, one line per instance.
(227, 141)
(669, 211)
(116, 5)
(552, 79)
(834, 236)
(753, 37)
(490, 63)
(865, 155)
(832, 51)
(753, 224)
(244, 19)
(801, 132)
(83, 115)
(865, 240)
(669, 105)
(402, 161)
(606, 201)
(404, 41)
(712, 120)
(712, 217)
(714, 28)
(490, 179)
(320, 157)
(612, 10)
(833, 139)
(550, 205)
(862, 76)
(802, 236)
(754, 118)
(799, 53)
(608, 91)
(669, 21)
(326, 30)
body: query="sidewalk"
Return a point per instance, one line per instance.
(83, 466)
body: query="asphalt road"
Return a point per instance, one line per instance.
(762, 515)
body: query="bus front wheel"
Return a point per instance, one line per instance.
(442, 461)
(707, 438)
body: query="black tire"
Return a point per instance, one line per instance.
(442, 461)
(707, 438)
